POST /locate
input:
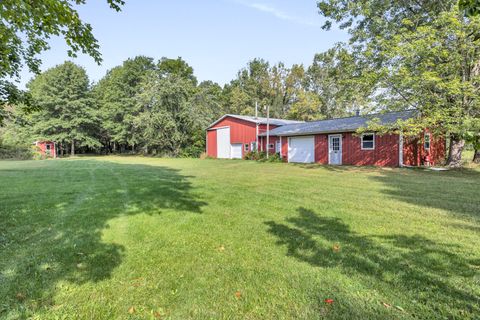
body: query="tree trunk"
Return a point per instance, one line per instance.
(72, 150)
(476, 156)
(455, 151)
(114, 147)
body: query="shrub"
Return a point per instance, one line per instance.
(8, 152)
(262, 156)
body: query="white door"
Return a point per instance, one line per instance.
(278, 147)
(237, 151)
(301, 149)
(223, 143)
(335, 149)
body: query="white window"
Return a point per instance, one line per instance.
(368, 141)
(246, 147)
(253, 146)
(270, 146)
(48, 147)
(426, 141)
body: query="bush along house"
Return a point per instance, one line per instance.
(335, 142)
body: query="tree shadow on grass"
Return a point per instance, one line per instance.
(53, 218)
(411, 267)
(456, 191)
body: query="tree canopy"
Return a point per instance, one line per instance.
(25, 28)
(416, 54)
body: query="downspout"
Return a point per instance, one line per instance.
(400, 150)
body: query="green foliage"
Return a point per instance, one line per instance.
(470, 7)
(262, 156)
(67, 113)
(9, 152)
(116, 98)
(416, 54)
(25, 28)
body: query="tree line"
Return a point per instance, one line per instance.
(400, 55)
(159, 107)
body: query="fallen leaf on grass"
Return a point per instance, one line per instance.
(81, 266)
(329, 301)
(386, 305)
(336, 247)
(157, 315)
(20, 296)
(399, 308)
(238, 294)
(221, 248)
(131, 310)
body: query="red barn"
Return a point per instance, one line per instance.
(334, 142)
(47, 148)
(231, 136)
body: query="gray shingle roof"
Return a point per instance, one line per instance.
(348, 124)
(258, 120)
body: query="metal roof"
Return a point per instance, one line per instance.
(347, 124)
(258, 120)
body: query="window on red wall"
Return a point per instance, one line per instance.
(368, 141)
(426, 141)
(270, 146)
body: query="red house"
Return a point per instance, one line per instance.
(334, 142)
(231, 136)
(47, 148)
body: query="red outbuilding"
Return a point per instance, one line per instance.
(231, 136)
(47, 148)
(333, 141)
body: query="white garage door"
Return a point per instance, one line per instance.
(223, 143)
(301, 149)
(237, 151)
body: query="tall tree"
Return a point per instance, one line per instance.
(168, 122)
(67, 115)
(418, 54)
(116, 97)
(26, 26)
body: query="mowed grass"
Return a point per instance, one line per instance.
(131, 237)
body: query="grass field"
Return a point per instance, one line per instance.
(130, 237)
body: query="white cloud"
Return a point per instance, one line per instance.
(278, 13)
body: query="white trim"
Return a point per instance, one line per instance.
(216, 128)
(429, 140)
(341, 148)
(247, 145)
(257, 121)
(361, 141)
(281, 148)
(400, 150)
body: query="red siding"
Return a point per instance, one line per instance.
(263, 143)
(42, 146)
(385, 153)
(241, 131)
(321, 148)
(212, 143)
(414, 152)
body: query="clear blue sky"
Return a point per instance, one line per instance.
(216, 37)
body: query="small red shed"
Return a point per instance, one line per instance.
(47, 148)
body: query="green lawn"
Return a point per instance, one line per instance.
(131, 237)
